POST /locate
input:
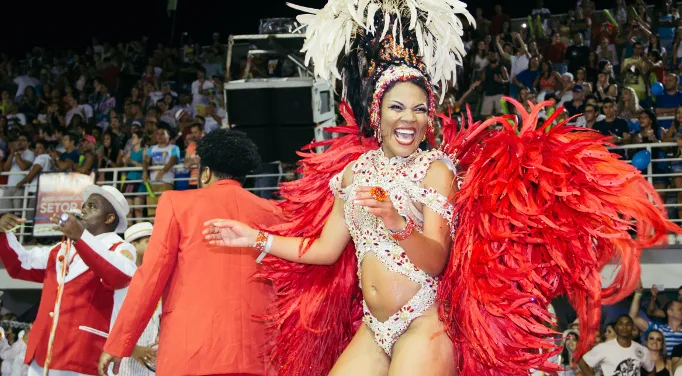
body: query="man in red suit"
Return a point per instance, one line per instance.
(209, 300)
(82, 278)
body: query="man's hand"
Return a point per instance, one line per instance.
(143, 354)
(159, 177)
(9, 222)
(654, 292)
(72, 227)
(104, 361)
(639, 287)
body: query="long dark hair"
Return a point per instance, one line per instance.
(114, 147)
(566, 355)
(549, 71)
(652, 115)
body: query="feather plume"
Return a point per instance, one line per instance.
(434, 22)
(540, 214)
(307, 339)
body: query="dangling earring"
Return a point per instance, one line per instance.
(424, 138)
(377, 134)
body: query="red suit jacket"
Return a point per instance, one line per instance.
(209, 299)
(99, 270)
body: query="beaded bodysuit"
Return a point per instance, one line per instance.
(401, 177)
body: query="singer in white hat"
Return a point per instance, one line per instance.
(84, 278)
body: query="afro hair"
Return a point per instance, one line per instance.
(229, 154)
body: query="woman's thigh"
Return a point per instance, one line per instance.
(362, 357)
(424, 349)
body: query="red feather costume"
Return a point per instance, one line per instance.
(539, 214)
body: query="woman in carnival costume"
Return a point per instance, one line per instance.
(403, 262)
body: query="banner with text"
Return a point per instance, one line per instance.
(58, 192)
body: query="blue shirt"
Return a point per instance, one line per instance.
(74, 156)
(527, 77)
(666, 100)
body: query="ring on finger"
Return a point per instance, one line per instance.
(378, 193)
(63, 218)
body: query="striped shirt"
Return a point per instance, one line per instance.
(672, 338)
(130, 366)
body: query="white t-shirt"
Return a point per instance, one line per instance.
(211, 125)
(12, 180)
(87, 109)
(21, 118)
(616, 360)
(518, 65)
(200, 99)
(23, 82)
(45, 162)
(678, 371)
(75, 111)
(155, 96)
(614, 55)
(160, 156)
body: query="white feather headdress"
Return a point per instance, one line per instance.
(435, 23)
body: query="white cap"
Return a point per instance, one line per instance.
(179, 114)
(568, 74)
(137, 231)
(116, 200)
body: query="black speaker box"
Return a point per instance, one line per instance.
(279, 143)
(281, 106)
(278, 120)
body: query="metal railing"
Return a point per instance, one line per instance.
(25, 210)
(671, 202)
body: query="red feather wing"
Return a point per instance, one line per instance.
(317, 308)
(540, 214)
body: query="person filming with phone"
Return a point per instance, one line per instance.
(671, 329)
(652, 309)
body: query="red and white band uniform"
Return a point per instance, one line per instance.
(98, 270)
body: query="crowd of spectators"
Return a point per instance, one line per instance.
(125, 105)
(604, 65)
(634, 334)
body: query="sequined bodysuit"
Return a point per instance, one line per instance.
(401, 177)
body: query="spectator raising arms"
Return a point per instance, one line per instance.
(494, 77)
(672, 329)
(555, 53)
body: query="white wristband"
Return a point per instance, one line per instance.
(266, 250)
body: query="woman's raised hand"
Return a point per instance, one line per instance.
(229, 233)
